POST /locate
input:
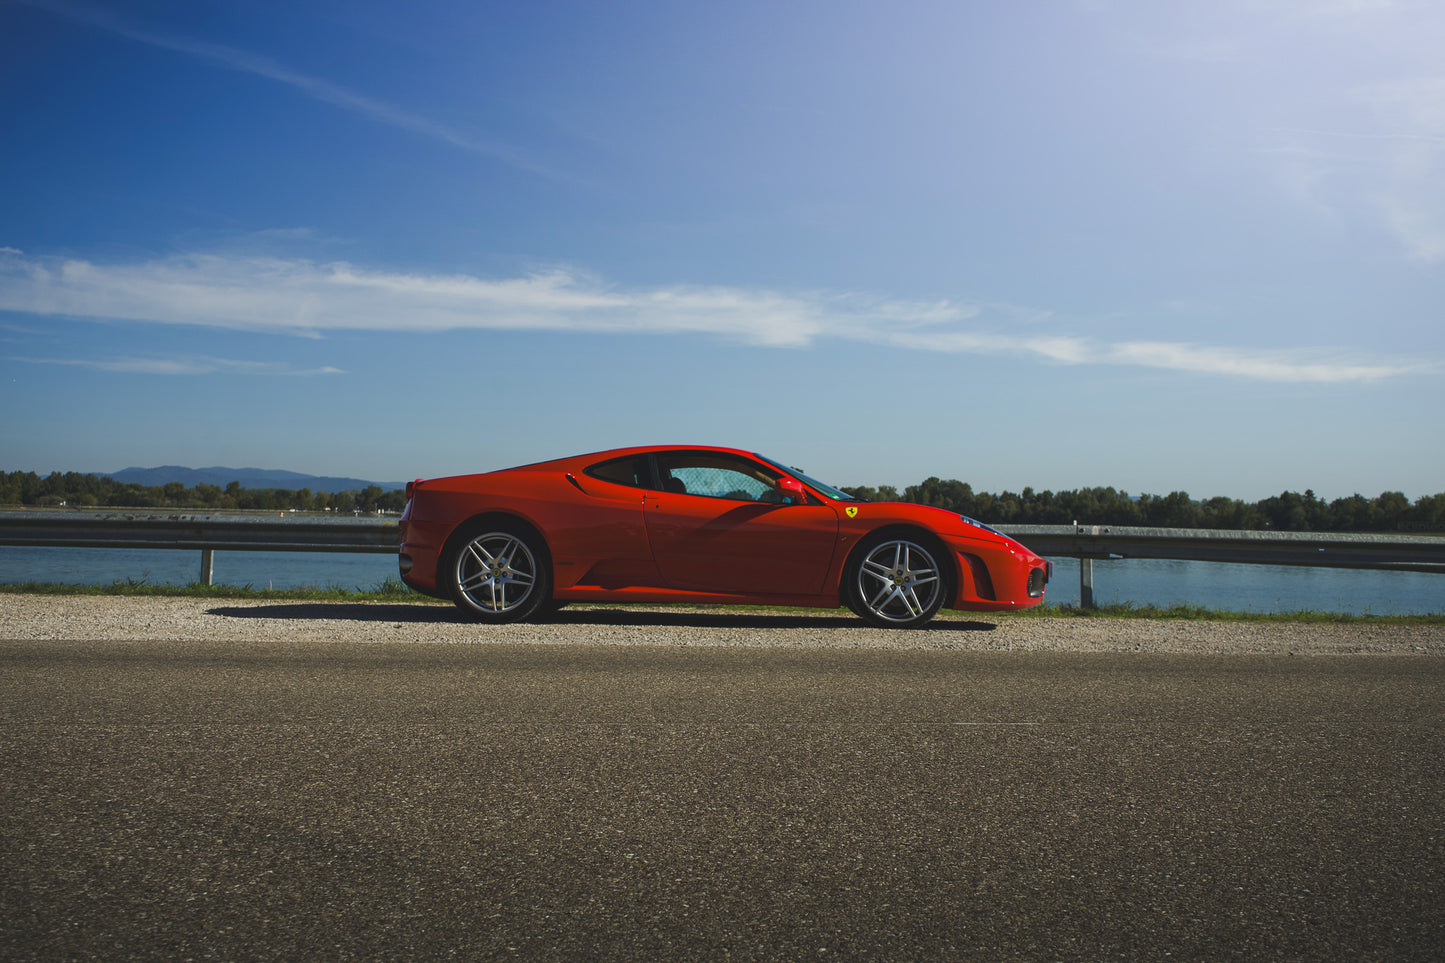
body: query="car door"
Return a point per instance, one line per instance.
(720, 525)
(600, 539)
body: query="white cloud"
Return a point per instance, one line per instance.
(1412, 164)
(191, 365)
(1347, 96)
(302, 297)
(1389, 178)
(306, 298)
(1303, 366)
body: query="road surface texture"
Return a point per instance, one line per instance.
(215, 780)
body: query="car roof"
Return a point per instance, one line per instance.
(611, 453)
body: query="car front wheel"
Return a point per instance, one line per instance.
(499, 573)
(896, 581)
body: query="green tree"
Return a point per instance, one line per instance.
(1351, 514)
(1285, 512)
(1390, 509)
(367, 499)
(1427, 514)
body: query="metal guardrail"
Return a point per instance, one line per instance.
(293, 532)
(279, 532)
(1407, 553)
(1412, 553)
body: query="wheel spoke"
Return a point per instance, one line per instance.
(507, 550)
(877, 585)
(910, 599)
(476, 581)
(876, 568)
(883, 597)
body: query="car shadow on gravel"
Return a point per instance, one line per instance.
(435, 614)
(340, 612)
(751, 620)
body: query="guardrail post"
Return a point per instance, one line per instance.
(207, 556)
(1086, 567)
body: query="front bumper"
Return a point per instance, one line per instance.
(998, 577)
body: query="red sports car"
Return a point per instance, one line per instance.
(695, 525)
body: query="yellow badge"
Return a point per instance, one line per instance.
(852, 511)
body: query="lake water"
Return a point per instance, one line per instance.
(1241, 588)
(1252, 588)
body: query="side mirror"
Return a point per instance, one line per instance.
(794, 489)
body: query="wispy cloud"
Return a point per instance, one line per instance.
(185, 365)
(1347, 97)
(1309, 365)
(1413, 165)
(1389, 165)
(1391, 179)
(258, 65)
(302, 297)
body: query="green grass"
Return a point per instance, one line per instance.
(1198, 613)
(392, 590)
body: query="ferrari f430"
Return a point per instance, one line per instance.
(698, 525)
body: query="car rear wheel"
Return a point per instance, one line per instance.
(499, 573)
(896, 581)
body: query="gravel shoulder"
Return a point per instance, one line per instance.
(122, 619)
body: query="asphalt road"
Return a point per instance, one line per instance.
(288, 801)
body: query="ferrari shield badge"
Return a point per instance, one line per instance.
(852, 511)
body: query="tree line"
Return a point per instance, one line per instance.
(1285, 512)
(76, 490)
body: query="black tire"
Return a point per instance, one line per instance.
(897, 579)
(499, 571)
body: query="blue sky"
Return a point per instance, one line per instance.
(1159, 246)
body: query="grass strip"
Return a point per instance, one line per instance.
(1197, 613)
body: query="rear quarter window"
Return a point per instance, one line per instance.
(631, 471)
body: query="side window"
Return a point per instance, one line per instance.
(716, 476)
(622, 471)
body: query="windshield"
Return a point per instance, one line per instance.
(813, 483)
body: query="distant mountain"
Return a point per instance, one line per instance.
(248, 477)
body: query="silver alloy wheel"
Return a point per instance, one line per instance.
(496, 572)
(898, 581)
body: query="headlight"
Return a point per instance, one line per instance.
(978, 524)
